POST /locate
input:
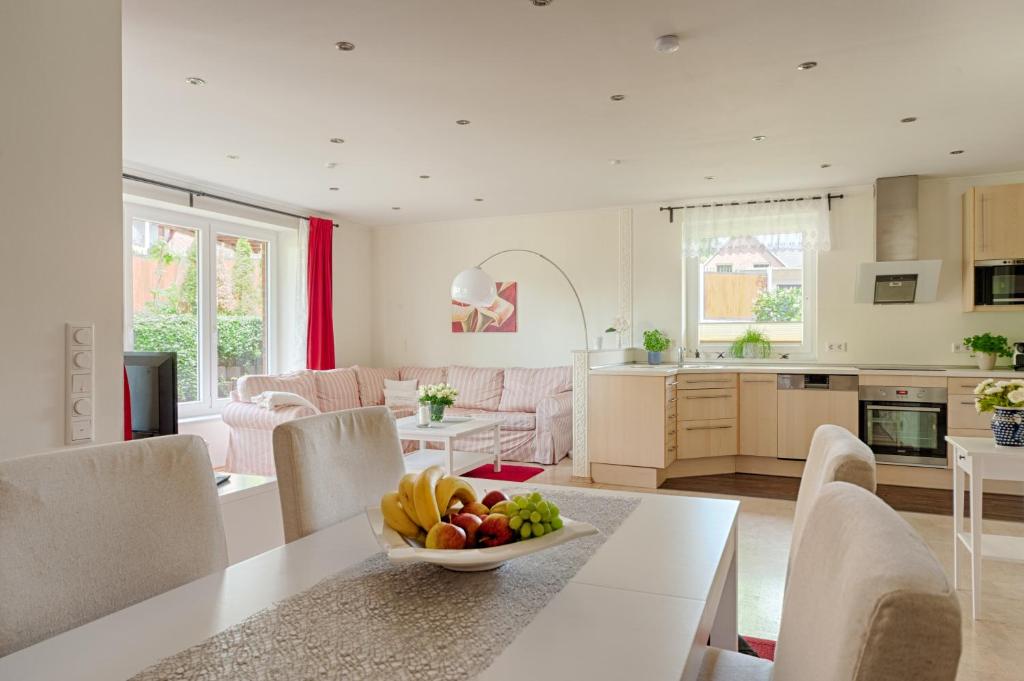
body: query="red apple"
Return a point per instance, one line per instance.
(446, 536)
(476, 508)
(469, 523)
(494, 531)
(494, 497)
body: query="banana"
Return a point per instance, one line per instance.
(451, 487)
(396, 517)
(405, 495)
(423, 497)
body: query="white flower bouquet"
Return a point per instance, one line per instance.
(439, 393)
(991, 394)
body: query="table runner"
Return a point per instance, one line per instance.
(375, 620)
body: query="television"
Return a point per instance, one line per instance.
(153, 386)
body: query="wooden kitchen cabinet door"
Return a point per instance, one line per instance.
(999, 222)
(802, 411)
(759, 415)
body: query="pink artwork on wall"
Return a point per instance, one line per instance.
(498, 317)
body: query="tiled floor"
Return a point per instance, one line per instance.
(993, 647)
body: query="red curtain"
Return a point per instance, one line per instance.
(320, 323)
(127, 408)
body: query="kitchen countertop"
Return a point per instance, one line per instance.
(798, 368)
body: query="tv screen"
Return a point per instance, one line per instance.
(153, 385)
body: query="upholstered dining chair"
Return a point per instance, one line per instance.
(836, 455)
(332, 466)
(91, 530)
(867, 601)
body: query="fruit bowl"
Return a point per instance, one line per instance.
(402, 550)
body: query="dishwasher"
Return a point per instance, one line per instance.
(807, 401)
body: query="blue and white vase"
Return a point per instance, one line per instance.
(1008, 427)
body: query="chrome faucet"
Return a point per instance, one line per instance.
(682, 355)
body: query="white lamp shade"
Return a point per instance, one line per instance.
(474, 287)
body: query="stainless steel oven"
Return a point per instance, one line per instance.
(904, 425)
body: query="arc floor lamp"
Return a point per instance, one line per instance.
(476, 287)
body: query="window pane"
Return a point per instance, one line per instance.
(165, 297)
(750, 281)
(241, 310)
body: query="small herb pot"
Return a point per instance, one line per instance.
(436, 411)
(1008, 427)
(654, 358)
(986, 360)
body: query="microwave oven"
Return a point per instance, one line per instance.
(999, 282)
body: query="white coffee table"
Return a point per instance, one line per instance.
(446, 432)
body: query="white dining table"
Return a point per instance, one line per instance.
(645, 605)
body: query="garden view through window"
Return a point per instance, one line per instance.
(751, 281)
(172, 285)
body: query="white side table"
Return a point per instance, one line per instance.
(447, 433)
(981, 458)
(251, 511)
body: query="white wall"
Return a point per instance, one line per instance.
(351, 294)
(60, 259)
(413, 267)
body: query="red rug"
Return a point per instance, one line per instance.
(509, 473)
(764, 648)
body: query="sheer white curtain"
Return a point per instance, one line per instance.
(779, 225)
(297, 354)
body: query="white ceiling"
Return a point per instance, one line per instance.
(535, 82)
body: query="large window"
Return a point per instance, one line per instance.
(201, 289)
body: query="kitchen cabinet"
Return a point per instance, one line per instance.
(802, 411)
(632, 420)
(759, 415)
(708, 423)
(993, 229)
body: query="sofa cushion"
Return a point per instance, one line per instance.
(425, 375)
(337, 389)
(524, 388)
(479, 387)
(301, 383)
(401, 394)
(510, 420)
(371, 384)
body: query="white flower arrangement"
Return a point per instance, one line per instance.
(439, 393)
(990, 394)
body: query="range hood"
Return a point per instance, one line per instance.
(897, 276)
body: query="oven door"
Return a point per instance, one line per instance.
(999, 284)
(905, 433)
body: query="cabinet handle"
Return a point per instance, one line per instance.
(984, 231)
(667, 385)
(671, 400)
(707, 427)
(709, 380)
(972, 403)
(709, 397)
(758, 380)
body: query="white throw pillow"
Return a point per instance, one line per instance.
(272, 399)
(400, 394)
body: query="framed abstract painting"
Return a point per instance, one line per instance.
(501, 316)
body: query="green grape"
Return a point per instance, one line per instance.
(526, 530)
(538, 530)
(536, 497)
(525, 514)
(545, 515)
(557, 523)
(521, 501)
(535, 517)
(547, 527)
(531, 507)
(544, 507)
(516, 522)
(554, 510)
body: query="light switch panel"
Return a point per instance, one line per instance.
(79, 409)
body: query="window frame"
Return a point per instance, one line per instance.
(207, 228)
(694, 303)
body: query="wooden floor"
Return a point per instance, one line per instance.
(912, 499)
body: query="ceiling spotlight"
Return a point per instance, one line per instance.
(396, 208)
(709, 177)
(333, 189)
(806, 66)
(541, 3)
(331, 164)
(478, 200)
(233, 157)
(956, 152)
(462, 121)
(193, 80)
(424, 177)
(337, 140)
(759, 138)
(826, 165)
(617, 98)
(614, 161)
(667, 44)
(908, 119)
(344, 46)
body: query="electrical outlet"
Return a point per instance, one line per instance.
(836, 346)
(959, 347)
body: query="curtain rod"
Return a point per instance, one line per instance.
(193, 193)
(672, 209)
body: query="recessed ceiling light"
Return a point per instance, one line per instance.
(617, 98)
(337, 140)
(806, 66)
(709, 177)
(193, 80)
(759, 138)
(956, 152)
(462, 121)
(667, 44)
(331, 164)
(344, 46)
(541, 3)
(826, 165)
(333, 189)
(478, 199)
(233, 157)
(396, 208)
(908, 119)
(614, 161)
(424, 177)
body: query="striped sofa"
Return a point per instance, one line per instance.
(534, 405)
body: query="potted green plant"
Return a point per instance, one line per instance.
(987, 348)
(1006, 399)
(753, 344)
(438, 396)
(655, 342)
